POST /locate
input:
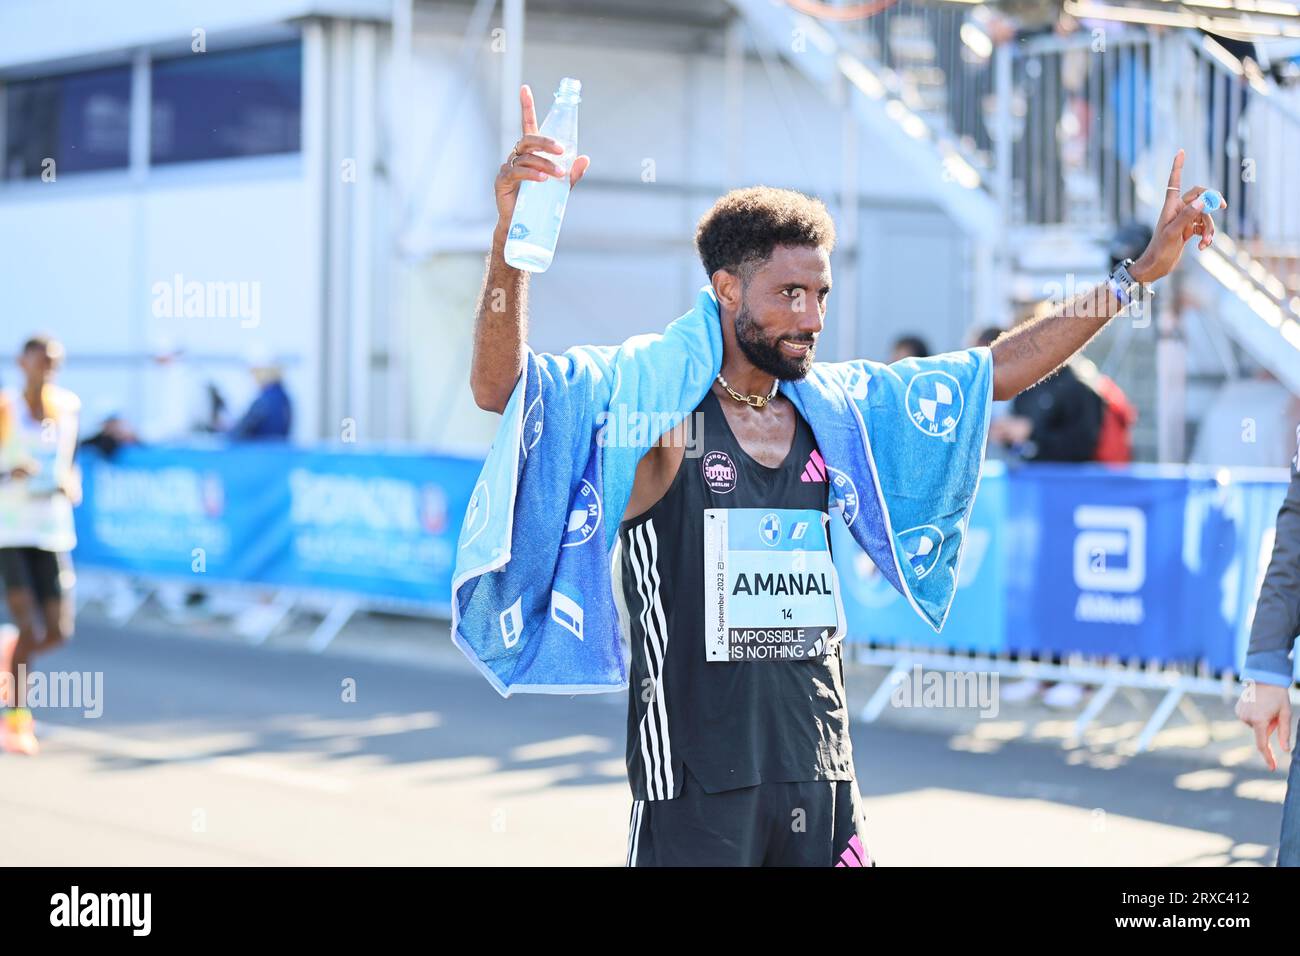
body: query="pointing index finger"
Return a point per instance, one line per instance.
(1176, 174)
(528, 112)
(1172, 205)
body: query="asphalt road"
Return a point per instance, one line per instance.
(213, 752)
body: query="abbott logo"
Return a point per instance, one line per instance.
(1109, 559)
(1107, 533)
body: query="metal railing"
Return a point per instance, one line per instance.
(1244, 133)
(1081, 119)
(941, 72)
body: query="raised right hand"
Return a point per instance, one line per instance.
(526, 161)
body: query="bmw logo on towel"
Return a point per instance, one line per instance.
(921, 546)
(934, 403)
(476, 515)
(846, 495)
(584, 516)
(769, 529)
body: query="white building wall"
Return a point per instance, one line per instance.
(82, 256)
(651, 121)
(36, 32)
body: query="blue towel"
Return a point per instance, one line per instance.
(533, 604)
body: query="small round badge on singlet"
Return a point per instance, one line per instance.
(719, 471)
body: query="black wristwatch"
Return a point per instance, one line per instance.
(1122, 281)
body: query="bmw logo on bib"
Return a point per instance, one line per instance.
(934, 403)
(769, 529)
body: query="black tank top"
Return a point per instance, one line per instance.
(769, 706)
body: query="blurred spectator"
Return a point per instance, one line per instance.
(41, 486)
(215, 420)
(1128, 242)
(909, 346)
(1118, 414)
(169, 382)
(1077, 414)
(114, 432)
(1059, 419)
(270, 415)
(188, 401)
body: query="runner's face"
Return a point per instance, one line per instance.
(39, 365)
(782, 310)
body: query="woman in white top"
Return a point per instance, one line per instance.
(39, 487)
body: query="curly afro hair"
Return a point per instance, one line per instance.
(745, 225)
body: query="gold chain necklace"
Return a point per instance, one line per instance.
(758, 401)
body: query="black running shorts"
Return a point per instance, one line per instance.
(810, 823)
(47, 574)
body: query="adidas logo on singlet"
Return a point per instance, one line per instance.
(814, 469)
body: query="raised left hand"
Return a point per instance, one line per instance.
(1181, 218)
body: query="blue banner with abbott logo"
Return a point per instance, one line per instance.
(1095, 565)
(1142, 563)
(380, 525)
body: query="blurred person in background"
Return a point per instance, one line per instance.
(216, 418)
(270, 416)
(1265, 704)
(186, 402)
(909, 346)
(1057, 420)
(1080, 413)
(39, 487)
(114, 432)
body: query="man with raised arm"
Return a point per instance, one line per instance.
(738, 748)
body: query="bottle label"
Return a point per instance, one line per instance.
(517, 231)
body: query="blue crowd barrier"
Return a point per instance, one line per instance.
(1142, 563)
(380, 525)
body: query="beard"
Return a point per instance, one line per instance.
(765, 353)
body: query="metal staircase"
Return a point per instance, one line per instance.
(894, 104)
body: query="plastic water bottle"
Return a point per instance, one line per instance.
(1212, 200)
(539, 208)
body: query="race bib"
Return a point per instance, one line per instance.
(769, 584)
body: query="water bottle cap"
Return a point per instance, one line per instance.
(569, 87)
